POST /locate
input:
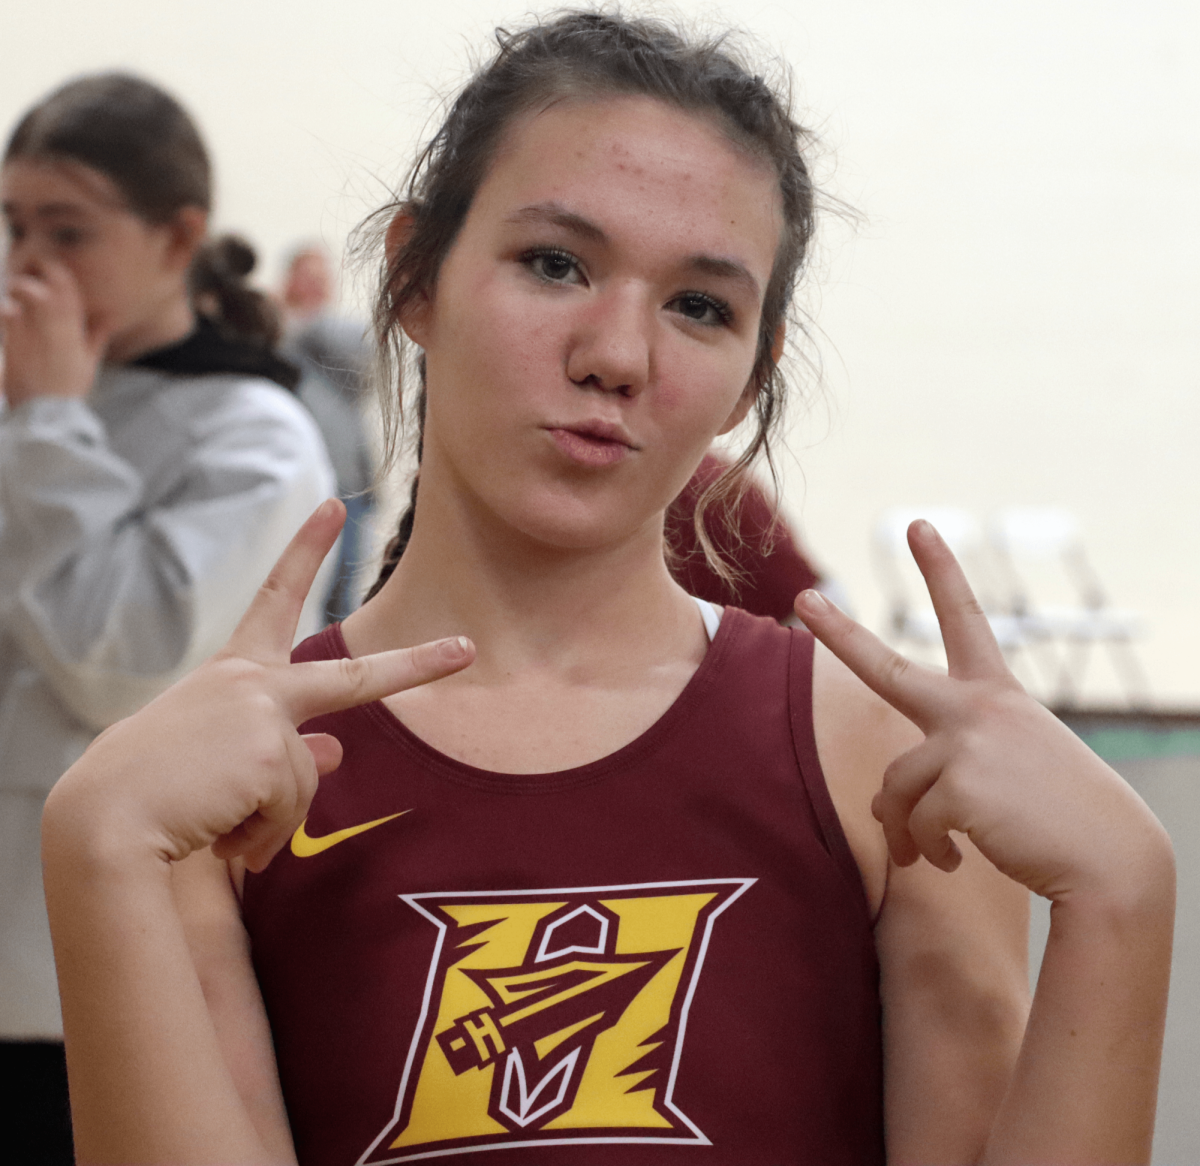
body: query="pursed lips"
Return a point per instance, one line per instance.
(597, 430)
(593, 443)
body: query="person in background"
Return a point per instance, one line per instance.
(765, 565)
(153, 463)
(334, 355)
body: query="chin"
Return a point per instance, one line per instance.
(576, 526)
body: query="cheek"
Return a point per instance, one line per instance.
(114, 277)
(699, 389)
(500, 342)
(93, 277)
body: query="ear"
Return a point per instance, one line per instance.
(399, 232)
(185, 233)
(415, 317)
(777, 343)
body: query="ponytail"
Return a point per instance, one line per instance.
(220, 292)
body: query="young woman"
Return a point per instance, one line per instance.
(604, 875)
(151, 468)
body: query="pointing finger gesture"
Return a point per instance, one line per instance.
(995, 764)
(217, 759)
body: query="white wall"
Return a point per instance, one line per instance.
(1015, 322)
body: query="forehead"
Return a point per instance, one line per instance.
(53, 187)
(657, 175)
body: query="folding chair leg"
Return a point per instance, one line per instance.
(1070, 682)
(1047, 666)
(1133, 676)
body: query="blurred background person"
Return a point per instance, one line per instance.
(768, 564)
(153, 462)
(334, 355)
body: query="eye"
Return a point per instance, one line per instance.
(66, 236)
(553, 266)
(702, 308)
(15, 233)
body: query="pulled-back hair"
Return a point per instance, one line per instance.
(132, 132)
(585, 55)
(220, 290)
(144, 142)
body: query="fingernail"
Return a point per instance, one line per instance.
(812, 602)
(454, 648)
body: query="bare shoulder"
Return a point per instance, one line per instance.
(952, 947)
(207, 900)
(858, 734)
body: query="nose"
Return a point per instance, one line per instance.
(612, 346)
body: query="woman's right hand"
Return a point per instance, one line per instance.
(51, 348)
(216, 760)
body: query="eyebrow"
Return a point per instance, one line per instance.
(729, 269)
(48, 210)
(556, 215)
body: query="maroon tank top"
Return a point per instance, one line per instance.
(662, 957)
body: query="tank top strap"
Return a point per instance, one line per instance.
(804, 740)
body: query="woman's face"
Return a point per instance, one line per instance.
(595, 323)
(128, 271)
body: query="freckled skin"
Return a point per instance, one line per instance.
(504, 351)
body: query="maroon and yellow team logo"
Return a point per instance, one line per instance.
(552, 1017)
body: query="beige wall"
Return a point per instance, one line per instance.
(1014, 323)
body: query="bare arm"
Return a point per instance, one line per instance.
(148, 1079)
(220, 949)
(953, 950)
(955, 991)
(1049, 815)
(215, 761)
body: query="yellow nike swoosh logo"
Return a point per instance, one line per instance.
(305, 847)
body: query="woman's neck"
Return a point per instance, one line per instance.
(578, 652)
(528, 605)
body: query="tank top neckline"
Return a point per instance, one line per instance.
(702, 680)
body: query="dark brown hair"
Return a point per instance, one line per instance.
(220, 291)
(148, 146)
(583, 54)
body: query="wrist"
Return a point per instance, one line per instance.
(88, 834)
(1135, 886)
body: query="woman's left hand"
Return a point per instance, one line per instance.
(51, 348)
(994, 765)
(1046, 811)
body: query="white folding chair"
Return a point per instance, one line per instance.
(1047, 541)
(910, 614)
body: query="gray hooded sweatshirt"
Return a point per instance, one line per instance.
(135, 527)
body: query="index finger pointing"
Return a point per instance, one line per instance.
(907, 687)
(971, 648)
(326, 686)
(266, 631)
